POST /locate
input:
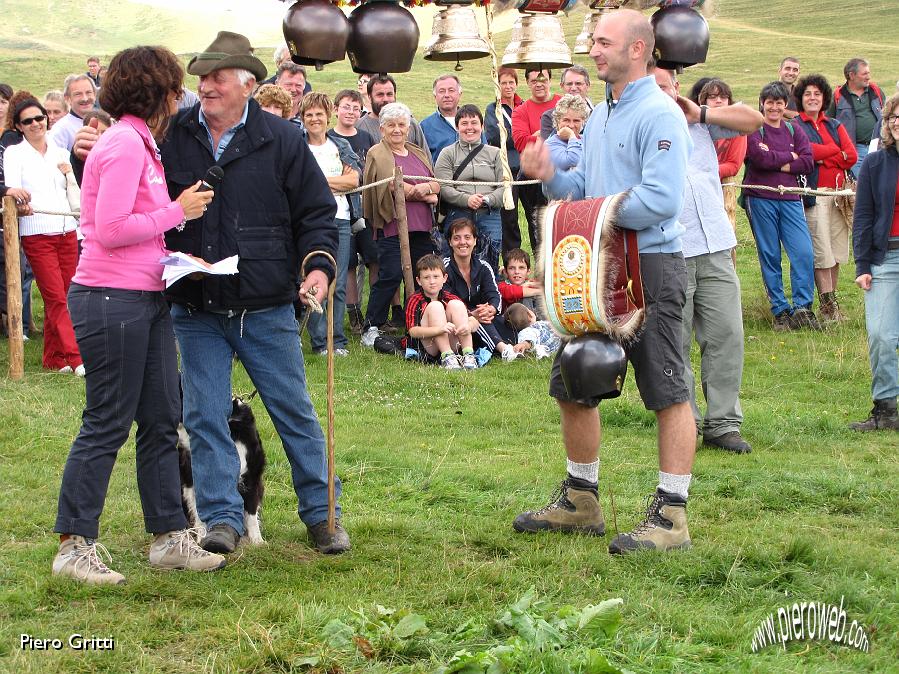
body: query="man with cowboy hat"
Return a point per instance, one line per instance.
(272, 208)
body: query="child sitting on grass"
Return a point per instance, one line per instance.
(533, 335)
(519, 288)
(437, 322)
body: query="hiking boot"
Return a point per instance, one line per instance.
(179, 550)
(221, 537)
(469, 362)
(356, 318)
(829, 309)
(450, 361)
(784, 321)
(665, 527)
(81, 558)
(327, 543)
(732, 442)
(572, 509)
(883, 417)
(805, 318)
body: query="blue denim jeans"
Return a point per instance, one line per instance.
(882, 322)
(862, 149)
(774, 222)
(318, 323)
(488, 221)
(268, 345)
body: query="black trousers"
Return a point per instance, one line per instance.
(511, 228)
(533, 201)
(128, 346)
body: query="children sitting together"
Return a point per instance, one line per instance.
(460, 316)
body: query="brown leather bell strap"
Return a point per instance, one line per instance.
(632, 257)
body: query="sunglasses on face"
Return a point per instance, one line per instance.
(28, 120)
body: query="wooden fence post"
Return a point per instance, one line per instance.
(402, 226)
(13, 289)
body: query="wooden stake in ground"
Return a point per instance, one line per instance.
(402, 227)
(13, 289)
(329, 437)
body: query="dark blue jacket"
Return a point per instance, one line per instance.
(875, 203)
(491, 132)
(841, 108)
(272, 208)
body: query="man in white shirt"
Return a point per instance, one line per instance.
(80, 94)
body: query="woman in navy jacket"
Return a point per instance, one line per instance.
(875, 242)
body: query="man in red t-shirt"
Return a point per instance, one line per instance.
(526, 129)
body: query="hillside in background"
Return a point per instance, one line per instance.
(43, 40)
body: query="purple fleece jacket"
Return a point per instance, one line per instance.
(763, 167)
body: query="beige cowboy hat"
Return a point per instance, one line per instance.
(228, 50)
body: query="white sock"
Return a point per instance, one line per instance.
(588, 472)
(675, 484)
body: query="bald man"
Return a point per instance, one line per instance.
(635, 142)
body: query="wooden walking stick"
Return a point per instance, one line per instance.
(13, 289)
(329, 438)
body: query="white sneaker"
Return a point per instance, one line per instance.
(450, 361)
(469, 362)
(179, 550)
(369, 336)
(66, 370)
(79, 371)
(541, 351)
(80, 558)
(337, 352)
(509, 354)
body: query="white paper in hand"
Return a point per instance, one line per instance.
(178, 265)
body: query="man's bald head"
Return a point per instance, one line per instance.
(637, 27)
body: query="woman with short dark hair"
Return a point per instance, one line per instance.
(470, 160)
(834, 153)
(123, 325)
(777, 155)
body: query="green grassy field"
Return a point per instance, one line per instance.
(436, 465)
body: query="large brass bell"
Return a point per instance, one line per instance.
(583, 43)
(316, 33)
(455, 37)
(537, 40)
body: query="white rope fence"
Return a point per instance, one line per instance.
(807, 191)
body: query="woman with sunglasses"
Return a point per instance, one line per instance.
(50, 243)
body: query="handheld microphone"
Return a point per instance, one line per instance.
(212, 179)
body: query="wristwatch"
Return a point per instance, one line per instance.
(702, 110)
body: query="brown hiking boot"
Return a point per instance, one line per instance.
(784, 321)
(829, 310)
(571, 510)
(805, 318)
(884, 417)
(665, 527)
(82, 559)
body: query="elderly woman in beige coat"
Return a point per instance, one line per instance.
(470, 159)
(394, 151)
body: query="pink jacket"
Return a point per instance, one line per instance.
(125, 209)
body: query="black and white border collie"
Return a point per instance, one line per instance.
(242, 425)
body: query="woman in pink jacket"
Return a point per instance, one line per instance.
(123, 326)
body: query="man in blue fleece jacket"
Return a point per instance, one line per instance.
(636, 142)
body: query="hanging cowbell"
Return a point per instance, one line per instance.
(682, 37)
(383, 38)
(316, 32)
(455, 37)
(583, 43)
(537, 40)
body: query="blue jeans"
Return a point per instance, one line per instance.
(774, 222)
(882, 322)
(268, 345)
(862, 149)
(318, 323)
(488, 221)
